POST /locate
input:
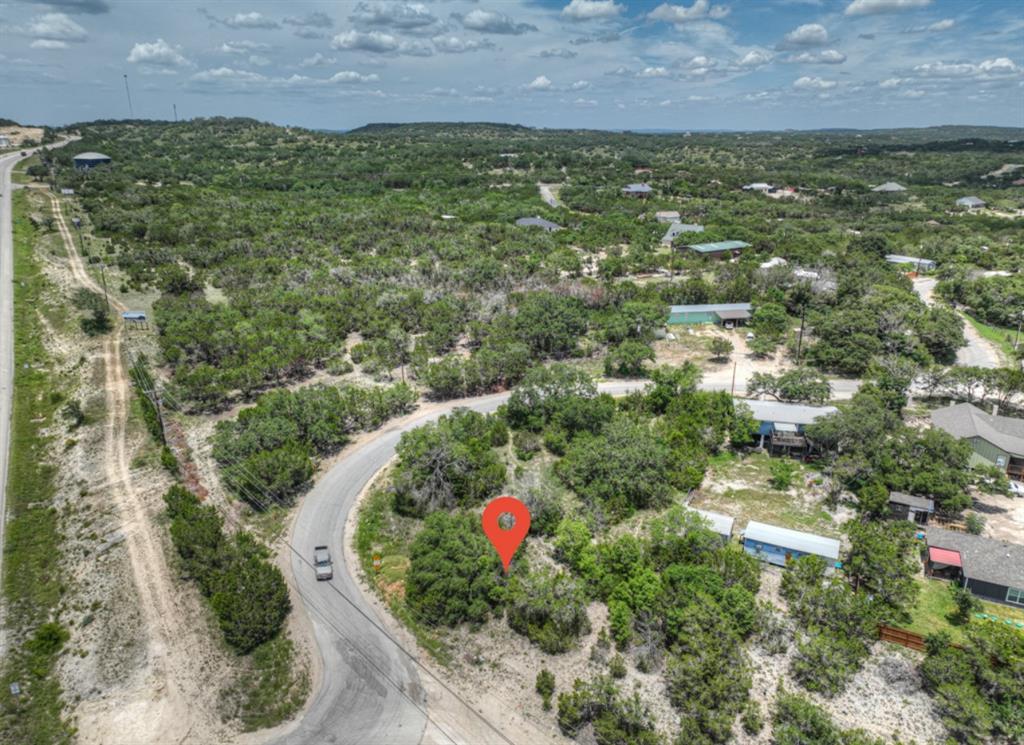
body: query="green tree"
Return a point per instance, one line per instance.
(721, 348)
(545, 686)
(884, 562)
(627, 360)
(549, 609)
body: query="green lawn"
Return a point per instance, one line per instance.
(935, 607)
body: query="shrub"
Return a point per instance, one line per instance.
(545, 686)
(617, 666)
(549, 609)
(782, 472)
(526, 445)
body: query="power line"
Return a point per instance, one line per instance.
(248, 493)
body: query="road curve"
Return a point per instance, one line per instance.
(979, 351)
(353, 704)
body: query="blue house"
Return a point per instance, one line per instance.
(781, 545)
(781, 425)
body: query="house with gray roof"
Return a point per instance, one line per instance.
(666, 216)
(908, 507)
(996, 440)
(719, 523)
(85, 161)
(919, 264)
(718, 250)
(971, 203)
(538, 222)
(990, 568)
(889, 187)
(781, 424)
(640, 191)
(676, 229)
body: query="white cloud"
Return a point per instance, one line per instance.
(585, 102)
(563, 53)
(985, 70)
(891, 83)
(258, 60)
(455, 45)
(755, 58)
(378, 42)
(665, 103)
(540, 83)
(812, 83)
(492, 22)
(228, 79)
(56, 27)
(824, 57)
(243, 47)
(311, 20)
(944, 25)
(157, 54)
(580, 85)
(999, 66)
(348, 76)
(913, 93)
(48, 44)
(447, 92)
(807, 35)
(872, 7)
(250, 20)
(680, 14)
(317, 60)
(395, 15)
(588, 10)
(653, 72)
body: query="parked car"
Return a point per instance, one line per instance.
(322, 563)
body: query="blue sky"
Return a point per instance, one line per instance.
(735, 64)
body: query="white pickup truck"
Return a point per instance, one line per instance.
(322, 563)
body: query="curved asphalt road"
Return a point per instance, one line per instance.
(354, 704)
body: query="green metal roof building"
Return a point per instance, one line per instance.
(688, 315)
(717, 249)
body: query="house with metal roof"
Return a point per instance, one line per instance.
(666, 216)
(538, 222)
(919, 264)
(85, 161)
(718, 250)
(908, 507)
(990, 568)
(889, 187)
(719, 523)
(996, 440)
(758, 186)
(640, 191)
(5, 141)
(676, 229)
(689, 315)
(971, 203)
(781, 545)
(781, 424)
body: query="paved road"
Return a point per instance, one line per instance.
(979, 352)
(7, 163)
(354, 705)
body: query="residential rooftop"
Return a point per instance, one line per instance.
(710, 248)
(964, 421)
(984, 559)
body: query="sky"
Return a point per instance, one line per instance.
(608, 64)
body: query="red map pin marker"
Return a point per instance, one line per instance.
(506, 542)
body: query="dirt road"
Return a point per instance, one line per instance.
(979, 352)
(165, 702)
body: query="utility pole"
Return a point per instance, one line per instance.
(1020, 320)
(733, 391)
(131, 112)
(800, 339)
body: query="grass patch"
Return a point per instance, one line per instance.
(934, 608)
(380, 532)
(740, 486)
(1001, 337)
(270, 690)
(32, 581)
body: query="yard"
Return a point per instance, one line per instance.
(935, 607)
(740, 486)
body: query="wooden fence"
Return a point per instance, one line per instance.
(902, 637)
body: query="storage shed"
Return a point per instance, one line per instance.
(721, 524)
(85, 161)
(781, 545)
(908, 507)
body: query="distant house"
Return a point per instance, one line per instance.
(538, 222)
(676, 229)
(781, 425)
(67, 192)
(920, 265)
(996, 440)
(781, 545)
(991, 569)
(721, 524)
(5, 141)
(691, 315)
(773, 262)
(971, 203)
(806, 274)
(908, 507)
(719, 249)
(666, 216)
(758, 186)
(638, 191)
(85, 161)
(889, 187)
